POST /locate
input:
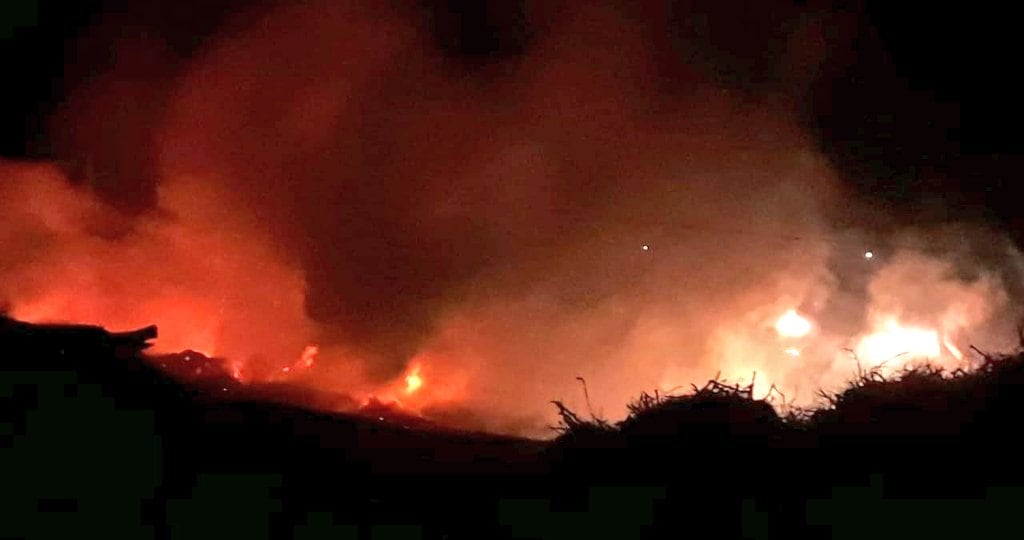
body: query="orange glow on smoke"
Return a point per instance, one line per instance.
(278, 222)
(235, 368)
(183, 325)
(215, 304)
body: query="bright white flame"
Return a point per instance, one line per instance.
(895, 340)
(869, 255)
(792, 325)
(953, 349)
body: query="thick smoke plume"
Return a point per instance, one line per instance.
(587, 207)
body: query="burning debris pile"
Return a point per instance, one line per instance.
(222, 379)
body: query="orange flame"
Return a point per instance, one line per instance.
(413, 381)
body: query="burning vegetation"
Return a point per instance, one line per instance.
(327, 242)
(322, 212)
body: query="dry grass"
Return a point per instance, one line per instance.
(925, 395)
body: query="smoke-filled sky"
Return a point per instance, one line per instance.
(501, 199)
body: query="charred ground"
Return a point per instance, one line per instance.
(97, 440)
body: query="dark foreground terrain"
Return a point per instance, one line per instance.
(97, 443)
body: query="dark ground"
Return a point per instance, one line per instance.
(96, 443)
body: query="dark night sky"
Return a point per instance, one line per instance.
(925, 111)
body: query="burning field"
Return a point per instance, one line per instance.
(335, 207)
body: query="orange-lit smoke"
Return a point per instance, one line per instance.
(193, 267)
(916, 310)
(475, 238)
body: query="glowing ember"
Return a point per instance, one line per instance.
(309, 355)
(413, 381)
(792, 325)
(895, 340)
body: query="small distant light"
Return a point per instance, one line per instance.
(224, 389)
(793, 351)
(645, 247)
(286, 369)
(869, 255)
(381, 418)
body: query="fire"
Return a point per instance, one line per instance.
(259, 240)
(410, 391)
(309, 355)
(953, 349)
(413, 381)
(792, 325)
(236, 370)
(398, 395)
(305, 361)
(895, 340)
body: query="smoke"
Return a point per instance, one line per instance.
(195, 268)
(585, 207)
